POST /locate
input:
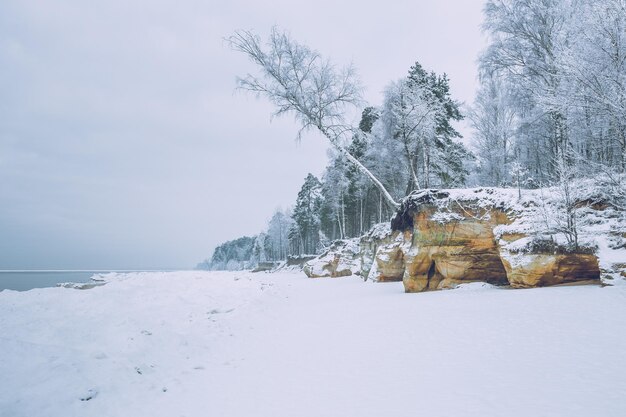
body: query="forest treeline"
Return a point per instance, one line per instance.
(551, 107)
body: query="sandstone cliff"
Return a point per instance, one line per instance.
(442, 238)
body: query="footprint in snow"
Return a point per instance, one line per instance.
(91, 394)
(218, 311)
(145, 368)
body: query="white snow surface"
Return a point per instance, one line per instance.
(235, 344)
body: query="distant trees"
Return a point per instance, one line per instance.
(272, 245)
(278, 228)
(232, 255)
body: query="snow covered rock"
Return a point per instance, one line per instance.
(389, 260)
(441, 239)
(378, 255)
(382, 253)
(340, 260)
(485, 235)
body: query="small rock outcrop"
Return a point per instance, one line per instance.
(382, 253)
(390, 261)
(340, 260)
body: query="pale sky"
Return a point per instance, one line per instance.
(123, 144)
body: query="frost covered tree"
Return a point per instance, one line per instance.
(304, 235)
(518, 175)
(596, 64)
(335, 184)
(414, 133)
(350, 203)
(409, 117)
(567, 222)
(232, 255)
(493, 121)
(362, 196)
(561, 64)
(259, 250)
(278, 235)
(297, 80)
(447, 160)
(527, 42)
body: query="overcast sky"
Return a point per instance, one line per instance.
(123, 144)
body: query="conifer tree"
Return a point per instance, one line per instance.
(305, 234)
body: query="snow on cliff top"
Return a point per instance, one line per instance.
(600, 215)
(240, 345)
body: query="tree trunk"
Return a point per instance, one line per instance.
(361, 216)
(426, 169)
(343, 217)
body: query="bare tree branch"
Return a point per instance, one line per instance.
(298, 80)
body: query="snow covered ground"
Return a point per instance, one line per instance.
(241, 344)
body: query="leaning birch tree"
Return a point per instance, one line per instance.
(297, 80)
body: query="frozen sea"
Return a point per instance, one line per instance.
(27, 280)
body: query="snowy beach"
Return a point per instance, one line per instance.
(241, 344)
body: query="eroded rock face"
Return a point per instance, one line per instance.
(380, 236)
(435, 268)
(389, 261)
(540, 270)
(454, 243)
(447, 253)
